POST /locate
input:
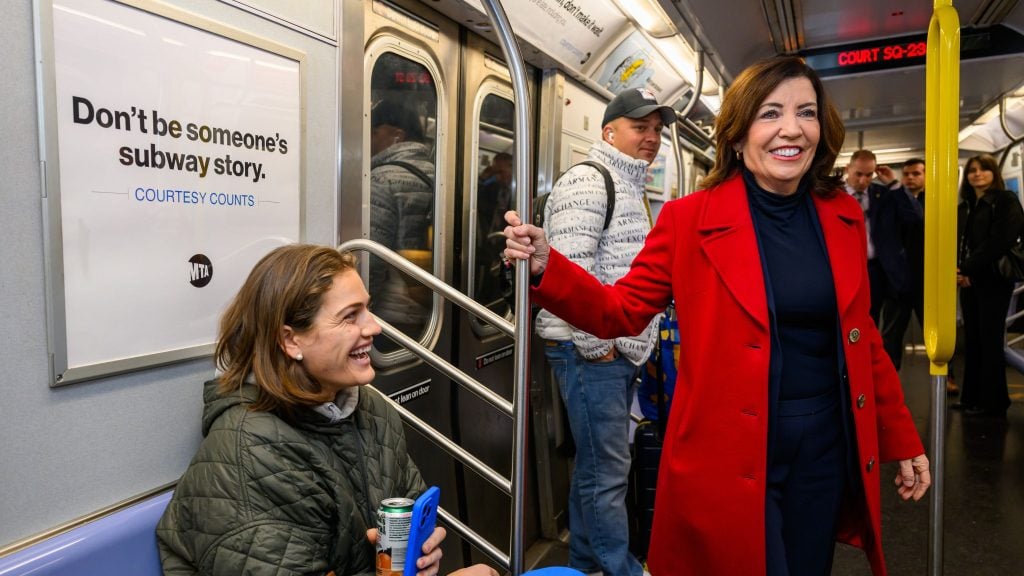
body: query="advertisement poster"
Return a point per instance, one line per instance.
(569, 30)
(636, 64)
(179, 154)
(655, 183)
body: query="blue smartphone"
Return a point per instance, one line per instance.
(424, 518)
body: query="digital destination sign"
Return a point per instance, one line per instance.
(886, 53)
(903, 51)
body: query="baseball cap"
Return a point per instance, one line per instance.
(636, 103)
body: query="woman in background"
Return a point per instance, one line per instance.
(990, 220)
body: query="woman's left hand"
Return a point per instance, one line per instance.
(429, 564)
(914, 478)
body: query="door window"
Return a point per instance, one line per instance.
(403, 190)
(493, 195)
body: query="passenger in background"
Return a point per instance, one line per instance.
(785, 401)
(296, 454)
(889, 213)
(401, 208)
(912, 177)
(913, 240)
(494, 193)
(990, 220)
(596, 376)
(494, 198)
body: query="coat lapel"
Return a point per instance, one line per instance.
(846, 247)
(729, 242)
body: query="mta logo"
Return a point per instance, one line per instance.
(200, 270)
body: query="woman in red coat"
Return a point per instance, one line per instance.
(786, 402)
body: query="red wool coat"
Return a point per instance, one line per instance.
(703, 252)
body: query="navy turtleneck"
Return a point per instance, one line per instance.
(802, 296)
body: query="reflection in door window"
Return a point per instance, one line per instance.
(494, 196)
(403, 119)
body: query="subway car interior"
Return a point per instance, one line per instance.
(157, 149)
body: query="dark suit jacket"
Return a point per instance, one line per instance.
(892, 212)
(913, 241)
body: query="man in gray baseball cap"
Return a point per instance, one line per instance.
(596, 376)
(633, 121)
(637, 103)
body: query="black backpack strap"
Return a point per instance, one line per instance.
(609, 188)
(659, 372)
(538, 209)
(411, 168)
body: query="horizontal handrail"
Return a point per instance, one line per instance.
(425, 278)
(475, 539)
(501, 482)
(428, 356)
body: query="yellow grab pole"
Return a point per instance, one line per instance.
(941, 154)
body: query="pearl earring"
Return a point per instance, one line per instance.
(298, 357)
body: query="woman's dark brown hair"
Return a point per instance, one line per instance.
(986, 162)
(739, 108)
(285, 288)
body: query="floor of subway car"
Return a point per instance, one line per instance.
(983, 494)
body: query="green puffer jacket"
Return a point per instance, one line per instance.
(265, 496)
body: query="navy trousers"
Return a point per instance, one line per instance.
(806, 484)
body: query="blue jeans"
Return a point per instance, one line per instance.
(597, 397)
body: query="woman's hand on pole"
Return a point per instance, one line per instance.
(526, 241)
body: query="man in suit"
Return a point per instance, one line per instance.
(913, 180)
(889, 213)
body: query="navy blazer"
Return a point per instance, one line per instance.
(891, 212)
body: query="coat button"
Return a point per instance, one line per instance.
(854, 335)
(871, 463)
(861, 400)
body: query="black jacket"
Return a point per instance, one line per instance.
(986, 228)
(891, 213)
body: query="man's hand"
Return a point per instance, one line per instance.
(885, 174)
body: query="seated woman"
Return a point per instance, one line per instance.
(296, 454)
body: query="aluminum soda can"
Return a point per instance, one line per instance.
(394, 517)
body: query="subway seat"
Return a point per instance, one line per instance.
(121, 544)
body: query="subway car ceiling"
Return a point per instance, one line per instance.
(870, 54)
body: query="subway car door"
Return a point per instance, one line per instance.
(410, 76)
(487, 136)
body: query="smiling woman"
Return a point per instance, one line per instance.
(790, 398)
(296, 452)
(335, 349)
(298, 295)
(782, 139)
